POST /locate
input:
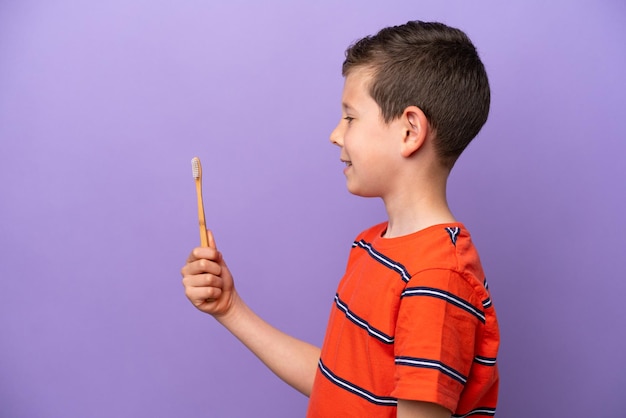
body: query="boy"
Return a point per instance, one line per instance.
(412, 332)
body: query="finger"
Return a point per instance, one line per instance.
(211, 239)
(192, 257)
(201, 295)
(203, 253)
(203, 280)
(201, 266)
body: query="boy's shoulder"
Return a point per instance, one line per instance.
(446, 246)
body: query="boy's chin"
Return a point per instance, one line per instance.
(360, 192)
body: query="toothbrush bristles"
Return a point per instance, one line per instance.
(195, 167)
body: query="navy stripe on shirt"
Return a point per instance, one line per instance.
(483, 410)
(351, 387)
(431, 364)
(379, 335)
(485, 361)
(447, 296)
(383, 259)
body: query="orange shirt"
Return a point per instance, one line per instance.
(412, 319)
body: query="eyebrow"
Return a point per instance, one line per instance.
(346, 106)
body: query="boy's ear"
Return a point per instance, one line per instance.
(416, 130)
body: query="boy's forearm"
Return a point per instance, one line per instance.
(291, 359)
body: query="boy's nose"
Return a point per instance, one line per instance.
(336, 136)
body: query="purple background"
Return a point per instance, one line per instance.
(103, 104)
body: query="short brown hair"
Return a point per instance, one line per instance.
(434, 67)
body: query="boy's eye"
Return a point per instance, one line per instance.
(348, 118)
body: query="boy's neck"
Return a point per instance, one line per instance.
(418, 208)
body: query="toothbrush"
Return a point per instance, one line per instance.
(196, 168)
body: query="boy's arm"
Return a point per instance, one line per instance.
(417, 409)
(210, 288)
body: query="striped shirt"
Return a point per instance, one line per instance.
(412, 319)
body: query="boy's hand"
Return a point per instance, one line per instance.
(209, 286)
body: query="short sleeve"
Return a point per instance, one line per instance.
(438, 320)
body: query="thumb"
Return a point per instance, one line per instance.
(213, 245)
(211, 239)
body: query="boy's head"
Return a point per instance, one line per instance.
(431, 66)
